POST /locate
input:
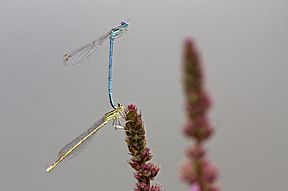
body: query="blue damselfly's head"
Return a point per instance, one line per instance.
(119, 30)
(124, 24)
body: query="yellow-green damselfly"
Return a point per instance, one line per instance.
(74, 146)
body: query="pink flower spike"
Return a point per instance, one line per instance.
(198, 172)
(145, 171)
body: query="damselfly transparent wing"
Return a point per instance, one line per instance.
(77, 144)
(80, 54)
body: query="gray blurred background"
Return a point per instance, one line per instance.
(43, 104)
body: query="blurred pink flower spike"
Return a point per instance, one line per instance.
(198, 172)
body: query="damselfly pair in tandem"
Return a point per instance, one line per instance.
(75, 57)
